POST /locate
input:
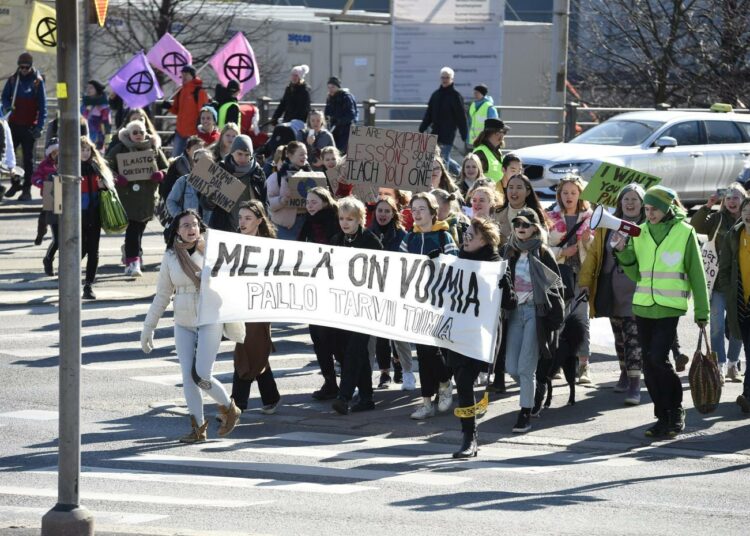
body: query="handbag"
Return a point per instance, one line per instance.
(705, 377)
(711, 258)
(112, 213)
(566, 272)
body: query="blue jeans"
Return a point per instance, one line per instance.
(718, 317)
(445, 152)
(522, 352)
(178, 145)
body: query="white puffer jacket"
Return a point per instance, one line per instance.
(174, 282)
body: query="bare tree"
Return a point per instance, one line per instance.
(646, 52)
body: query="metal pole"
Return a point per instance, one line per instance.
(560, 21)
(68, 517)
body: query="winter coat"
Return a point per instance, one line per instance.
(30, 107)
(251, 355)
(137, 197)
(390, 237)
(558, 230)
(209, 138)
(729, 277)
(707, 222)
(445, 114)
(255, 188)
(295, 104)
(321, 227)
(277, 186)
(177, 168)
(431, 243)
(182, 197)
(43, 177)
(546, 339)
(173, 284)
(341, 112)
(362, 239)
(187, 106)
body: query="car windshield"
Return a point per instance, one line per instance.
(620, 132)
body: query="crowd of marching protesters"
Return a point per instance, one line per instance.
(561, 271)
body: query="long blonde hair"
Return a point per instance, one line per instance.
(99, 163)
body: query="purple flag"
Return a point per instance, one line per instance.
(169, 56)
(136, 83)
(236, 61)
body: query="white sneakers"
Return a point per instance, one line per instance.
(583, 374)
(733, 372)
(481, 379)
(410, 382)
(134, 269)
(425, 411)
(445, 396)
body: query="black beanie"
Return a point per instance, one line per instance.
(334, 81)
(25, 59)
(481, 88)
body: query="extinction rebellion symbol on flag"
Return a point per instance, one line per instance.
(46, 31)
(174, 62)
(239, 67)
(140, 83)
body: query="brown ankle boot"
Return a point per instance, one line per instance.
(230, 416)
(197, 434)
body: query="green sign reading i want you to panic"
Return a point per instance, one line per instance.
(609, 179)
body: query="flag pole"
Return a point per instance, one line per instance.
(180, 86)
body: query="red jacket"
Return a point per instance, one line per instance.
(187, 106)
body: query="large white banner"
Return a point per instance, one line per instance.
(448, 302)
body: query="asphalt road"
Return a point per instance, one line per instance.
(306, 470)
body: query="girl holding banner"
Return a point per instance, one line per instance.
(197, 346)
(430, 237)
(320, 226)
(480, 244)
(251, 355)
(138, 197)
(356, 371)
(287, 219)
(388, 227)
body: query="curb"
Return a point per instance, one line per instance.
(20, 209)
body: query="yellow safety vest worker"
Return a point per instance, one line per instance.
(494, 169)
(664, 278)
(477, 116)
(223, 109)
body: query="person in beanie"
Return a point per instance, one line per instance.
(341, 112)
(481, 109)
(611, 293)
(488, 145)
(734, 278)
(95, 110)
(445, 114)
(240, 163)
(295, 103)
(187, 104)
(666, 264)
(25, 99)
(207, 129)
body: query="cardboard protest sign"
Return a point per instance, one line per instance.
(52, 195)
(609, 179)
(390, 158)
(302, 182)
(137, 165)
(448, 302)
(216, 184)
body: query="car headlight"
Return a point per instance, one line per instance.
(571, 167)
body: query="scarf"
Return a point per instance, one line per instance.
(542, 278)
(97, 100)
(237, 170)
(191, 269)
(147, 143)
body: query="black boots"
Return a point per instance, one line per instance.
(676, 422)
(88, 293)
(15, 187)
(468, 446)
(328, 391)
(47, 262)
(523, 424)
(660, 427)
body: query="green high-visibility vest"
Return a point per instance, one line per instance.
(494, 169)
(477, 117)
(664, 278)
(224, 109)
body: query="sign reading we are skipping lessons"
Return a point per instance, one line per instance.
(216, 183)
(390, 158)
(448, 302)
(609, 179)
(137, 165)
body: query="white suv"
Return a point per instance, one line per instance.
(692, 152)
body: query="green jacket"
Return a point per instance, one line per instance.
(729, 275)
(693, 263)
(706, 221)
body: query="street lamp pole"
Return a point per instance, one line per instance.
(68, 517)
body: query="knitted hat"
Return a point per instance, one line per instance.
(189, 69)
(660, 197)
(333, 81)
(211, 109)
(242, 143)
(25, 59)
(528, 215)
(483, 89)
(301, 70)
(233, 86)
(53, 145)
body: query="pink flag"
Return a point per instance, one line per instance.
(236, 61)
(136, 83)
(169, 56)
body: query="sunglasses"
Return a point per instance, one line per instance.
(137, 133)
(24, 67)
(521, 224)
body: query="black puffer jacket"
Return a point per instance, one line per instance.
(363, 239)
(321, 227)
(295, 104)
(445, 114)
